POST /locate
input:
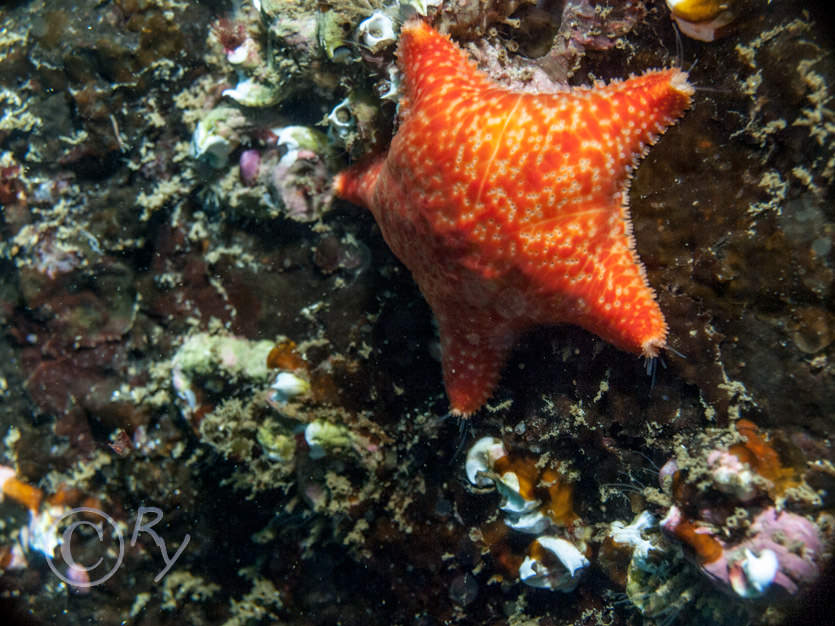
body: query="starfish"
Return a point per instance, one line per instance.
(510, 208)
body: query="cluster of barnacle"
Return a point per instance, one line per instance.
(727, 527)
(278, 51)
(535, 501)
(730, 512)
(262, 405)
(736, 519)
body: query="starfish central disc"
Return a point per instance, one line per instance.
(510, 208)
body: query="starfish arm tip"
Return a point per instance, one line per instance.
(679, 83)
(652, 347)
(339, 183)
(357, 183)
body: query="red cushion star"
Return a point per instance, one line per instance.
(510, 208)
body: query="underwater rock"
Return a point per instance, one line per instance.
(469, 19)
(299, 180)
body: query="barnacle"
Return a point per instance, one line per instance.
(377, 32)
(553, 563)
(705, 20)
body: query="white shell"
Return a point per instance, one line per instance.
(481, 457)
(341, 119)
(246, 54)
(287, 386)
(529, 574)
(213, 149)
(377, 32)
(529, 523)
(571, 558)
(708, 29)
(252, 94)
(565, 577)
(759, 572)
(312, 436)
(512, 500)
(290, 138)
(393, 91)
(322, 437)
(762, 569)
(295, 139)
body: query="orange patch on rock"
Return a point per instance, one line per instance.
(284, 356)
(762, 457)
(707, 548)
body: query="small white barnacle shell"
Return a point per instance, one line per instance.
(246, 55)
(390, 87)
(513, 501)
(215, 137)
(553, 563)
(287, 386)
(377, 32)
(322, 437)
(532, 523)
(753, 575)
(341, 119)
(212, 149)
(290, 138)
(252, 94)
(480, 459)
(296, 141)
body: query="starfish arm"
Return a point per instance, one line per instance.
(437, 67)
(586, 272)
(474, 348)
(634, 113)
(358, 183)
